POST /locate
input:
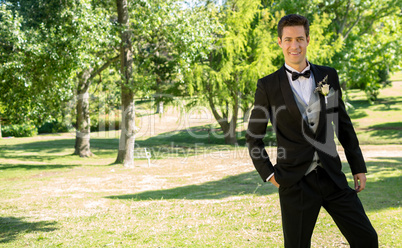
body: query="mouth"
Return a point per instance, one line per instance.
(295, 53)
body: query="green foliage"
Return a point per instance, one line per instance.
(243, 50)
(322, 47)
(155, 56)
(371, 31)
(19, 130)
(35, 71)
(166, 40)
(105, 97)
(108, 123)
(92, 33)
(38, 13)
(43, 51)
(103, 124)
(55, 127)
(373, 55)
(213, 51)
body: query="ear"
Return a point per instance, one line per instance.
(308, 40)
(279, 41)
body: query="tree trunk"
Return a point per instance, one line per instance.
(246, 115)
(228, 128)
(82, 140)
(231, 138)
(159, 107)
(125, 155)
(158, 96)
(127, 137)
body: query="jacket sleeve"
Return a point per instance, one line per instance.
(256, 131)
(346, 134)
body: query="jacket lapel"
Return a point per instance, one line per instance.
(290, 101)
(318, 76)
(288, 95)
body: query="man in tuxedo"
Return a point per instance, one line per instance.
(302, 101)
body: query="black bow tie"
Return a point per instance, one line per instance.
(296, 75)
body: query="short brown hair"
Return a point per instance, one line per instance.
(293, 20)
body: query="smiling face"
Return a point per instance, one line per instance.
(294, 46)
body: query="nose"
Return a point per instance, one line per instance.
(294, 44)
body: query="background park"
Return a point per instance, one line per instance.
(87, 85)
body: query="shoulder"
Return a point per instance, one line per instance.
(269, 86)
(270, 79)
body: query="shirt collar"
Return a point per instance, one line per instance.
(305, 69)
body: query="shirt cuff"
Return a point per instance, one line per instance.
(270, 177)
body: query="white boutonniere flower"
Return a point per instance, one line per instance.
(323, 88)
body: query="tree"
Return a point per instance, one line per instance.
(127, 137)
(92, 57)
(82, 141)
(69, 30)
(160, 41)
(168, 39)
(241, 53)
(371, 31)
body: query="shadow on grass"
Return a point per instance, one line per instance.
(34, 152)
(381, 105)
(45, 154)
(193, 141)
(357, 114)
(242, 184)
(383, 185)
(391, 130)
(201, 134)
(388, 126)
(391, 104)
(198, 134)
(48, 147)
(384, 192)
(35, 166)
(11, 227)
(183, 143)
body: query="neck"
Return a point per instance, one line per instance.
(298, 67)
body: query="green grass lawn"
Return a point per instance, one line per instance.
(380, 122)
(90, 203)
(204, 195)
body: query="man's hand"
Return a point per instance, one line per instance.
(362, 178)
(273, 181)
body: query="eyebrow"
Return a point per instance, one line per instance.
(299, 37)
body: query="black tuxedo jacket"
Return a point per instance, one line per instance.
(296, 142)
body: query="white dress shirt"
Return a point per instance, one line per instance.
(304, 87)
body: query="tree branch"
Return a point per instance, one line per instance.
(106, 65)
(342, 24)
(353, 25)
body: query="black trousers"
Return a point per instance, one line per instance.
(301, 204)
